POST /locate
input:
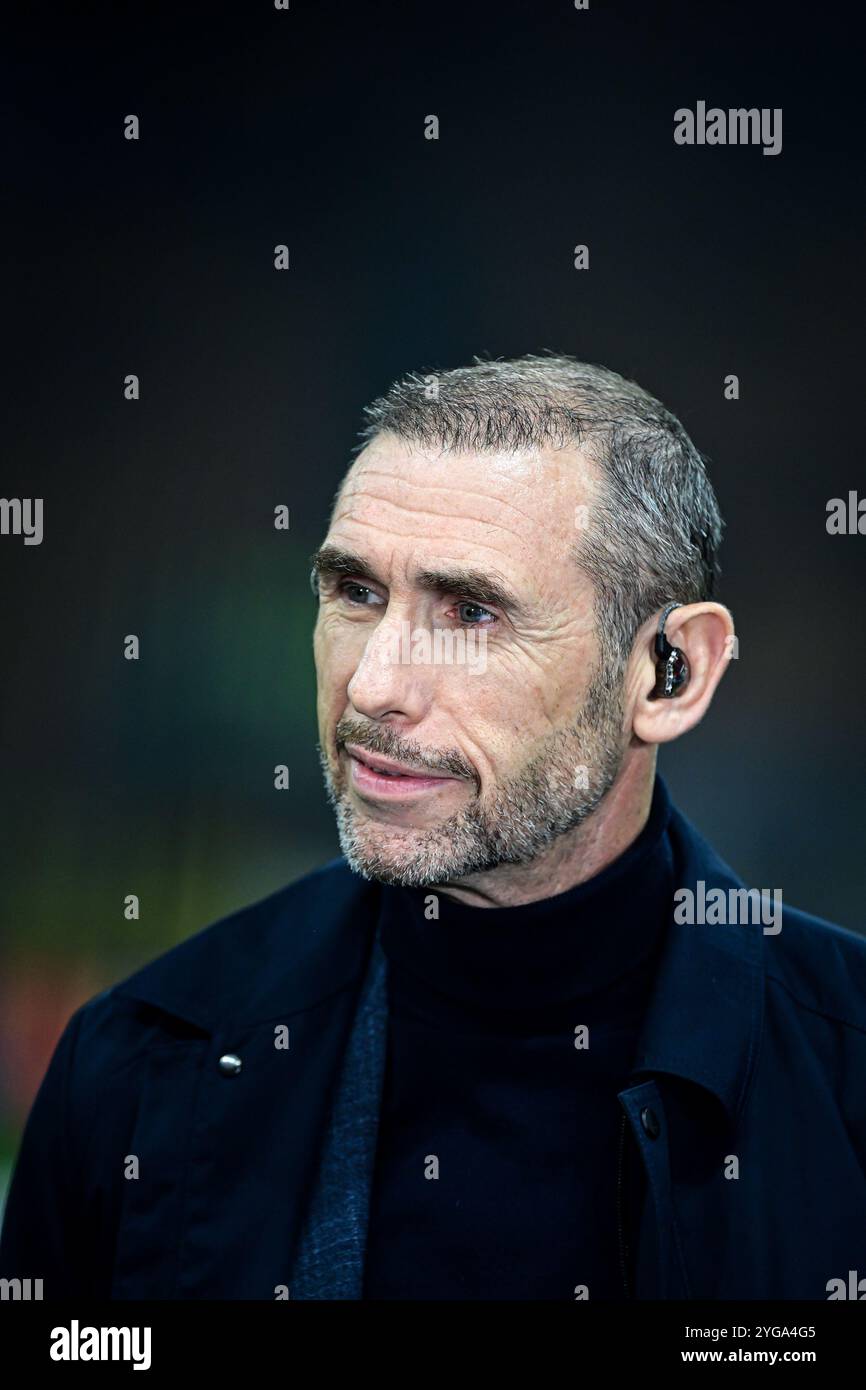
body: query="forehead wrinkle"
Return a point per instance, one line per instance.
(456, 517)
(525, 541)
(464, 492)
(474, 544)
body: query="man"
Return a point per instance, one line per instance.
(529, 1038)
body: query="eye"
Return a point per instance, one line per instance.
(474, 609)
(355, 593)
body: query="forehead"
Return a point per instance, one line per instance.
(520, 509)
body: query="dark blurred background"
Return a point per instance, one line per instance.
(155, 257)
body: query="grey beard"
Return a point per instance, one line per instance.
(514, 825)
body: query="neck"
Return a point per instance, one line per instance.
(574, 857)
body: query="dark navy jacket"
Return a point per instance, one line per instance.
(752, 1061)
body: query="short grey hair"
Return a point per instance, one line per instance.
(655, 529)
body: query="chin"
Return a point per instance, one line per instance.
(390, 854)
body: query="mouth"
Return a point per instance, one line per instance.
(373, 775)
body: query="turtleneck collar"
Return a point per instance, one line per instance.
(575, 945)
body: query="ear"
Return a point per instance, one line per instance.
(705, 633)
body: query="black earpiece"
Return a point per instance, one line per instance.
(672, 668)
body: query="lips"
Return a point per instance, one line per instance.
(378, 778)
(389, 767)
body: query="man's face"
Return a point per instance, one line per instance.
(515, 743)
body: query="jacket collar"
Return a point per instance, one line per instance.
(279, 956)
(313, 938)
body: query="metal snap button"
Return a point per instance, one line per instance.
(650, 1121)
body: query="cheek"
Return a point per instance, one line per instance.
(512, 702)
(335, 666)
(325, 649)
(503, 724)
(496, 736)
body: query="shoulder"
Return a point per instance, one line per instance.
(811, 965)
(285, 951)
(819, 966)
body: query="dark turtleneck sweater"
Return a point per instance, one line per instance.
(485, 1085)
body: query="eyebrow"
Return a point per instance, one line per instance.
(475, 585)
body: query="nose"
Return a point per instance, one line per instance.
(385, 682)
